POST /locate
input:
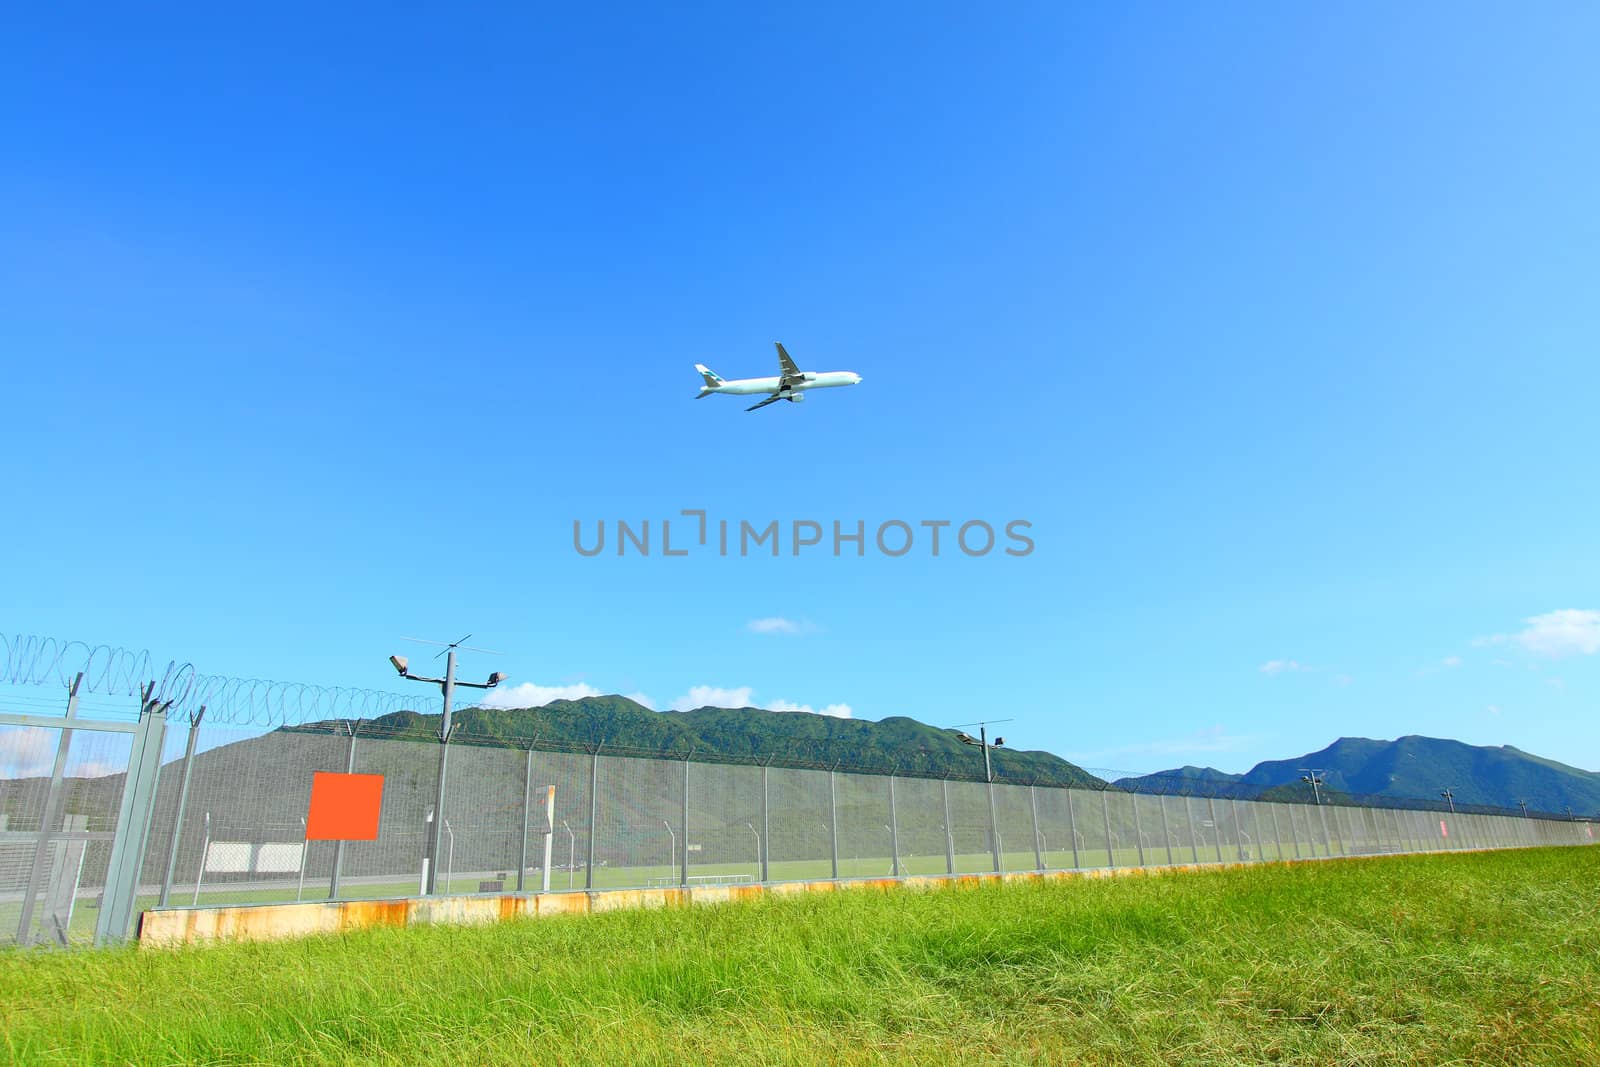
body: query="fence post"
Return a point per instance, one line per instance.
(183, 800)
(527, 805)
(1138, 828)
(338, 846)
(1105, 810)
(1239, 831)
(1072, 828)
(1261, 839)
(1216, 829)
(52, 804)
(894, 833)
(833, 821)
(685, 882)
(133, 820)
(1327, 842)
(766, 830)
(1194, 840)
(594, 814)
(949, 831)
(1166, 832)
(1033, 807)
(994, 828)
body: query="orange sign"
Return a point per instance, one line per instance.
(344, 807)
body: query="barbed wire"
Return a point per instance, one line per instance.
(30, 660)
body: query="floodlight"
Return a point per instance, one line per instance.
(966, 739)
(399, 664)
(999, 741)
(497, 677)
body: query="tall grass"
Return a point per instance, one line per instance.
(1474, 958)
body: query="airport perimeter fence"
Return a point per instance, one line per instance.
(224, 809)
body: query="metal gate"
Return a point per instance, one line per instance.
(72, 842)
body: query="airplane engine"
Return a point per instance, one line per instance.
(795, 397)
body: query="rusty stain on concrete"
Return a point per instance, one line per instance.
(263, 922)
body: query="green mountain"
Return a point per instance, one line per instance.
(1411, 768)
(897, 744)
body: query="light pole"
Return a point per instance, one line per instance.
(982, 741)
(447, 686)
(757, 834)
(1313, 777)
(1524, 805)
(672, 864)
(1450, 799)
(572, 851)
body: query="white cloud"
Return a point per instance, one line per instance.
(702, 696)
(1493, 709)
(1557, 633)
(1450, 661)
(837, 711)
(777, 624)
(531, 695)
(713, 696)
(1279, 666)
(28, 752)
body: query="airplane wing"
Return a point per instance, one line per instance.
(773, 399)
(786, 368)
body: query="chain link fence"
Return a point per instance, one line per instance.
(227, 823)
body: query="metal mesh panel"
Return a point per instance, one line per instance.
(1177, 836)
(799, 826)
(1151, 846)
(1014, 814)
(57, 895)
(24, 780)
(919, 809)
(641, 805)
(1095, 843)
(970, 827)
(1339, 829)
(569, 773)
(864, 845)
(392, 864)
(483, 811)
(1055, 829)
(247, 802)
(1125, 847)
(724, 823)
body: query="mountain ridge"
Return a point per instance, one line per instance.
(1411, 767)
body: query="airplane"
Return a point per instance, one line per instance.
(790, 384)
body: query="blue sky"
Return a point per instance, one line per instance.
(1277, 324)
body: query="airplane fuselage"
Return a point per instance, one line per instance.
(809, 380)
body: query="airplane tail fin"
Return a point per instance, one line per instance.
(711, 378)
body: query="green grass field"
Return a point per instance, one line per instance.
(1490, 958)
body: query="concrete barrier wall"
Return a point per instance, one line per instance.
(163, 927)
